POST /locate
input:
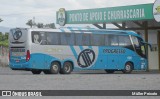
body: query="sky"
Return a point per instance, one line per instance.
(16, 13)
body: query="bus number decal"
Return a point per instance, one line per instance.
(86, 58)
(17, 35)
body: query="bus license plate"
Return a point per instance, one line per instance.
(17, 61)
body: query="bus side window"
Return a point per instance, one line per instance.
(106, 40)
(67, 38)
(113, 40)
(97, 40)
(124, 41)
(36, 37)
(78, 39)
(86, 39)
(43, 38)
(52, 38)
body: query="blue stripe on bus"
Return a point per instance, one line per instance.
(74, 52)
(81, 48)
(62, 30)
(72, 48)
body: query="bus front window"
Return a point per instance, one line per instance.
(139, 46)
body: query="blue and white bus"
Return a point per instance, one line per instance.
(63, 50)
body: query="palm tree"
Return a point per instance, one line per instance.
(30, 23)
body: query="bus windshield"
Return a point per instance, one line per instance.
(139, 46)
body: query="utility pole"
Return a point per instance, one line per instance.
(34, 23)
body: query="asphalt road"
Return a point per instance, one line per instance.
(82, 80)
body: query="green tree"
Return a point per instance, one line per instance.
(1, 36)
(51, 25)
(4, 39)
(6, 36)
(40, 25)
(30, 23)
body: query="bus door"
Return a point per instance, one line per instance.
(140, 49)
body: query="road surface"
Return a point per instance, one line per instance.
(82, 80)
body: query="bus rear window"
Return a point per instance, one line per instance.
(18, 36)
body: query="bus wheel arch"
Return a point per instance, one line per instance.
(67, 67)
(72, 64)
(55, 67)
(129, 67)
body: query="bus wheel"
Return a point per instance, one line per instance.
(110, 71)
(67, 68)
(128, 68)
(36, 71)
(55, 67)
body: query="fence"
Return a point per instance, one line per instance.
(4, 56)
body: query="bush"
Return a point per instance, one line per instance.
(4, 39)
(4, 43)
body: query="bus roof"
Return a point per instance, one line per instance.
(105, 31)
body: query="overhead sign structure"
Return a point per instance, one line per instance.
(106, 15)
(156, 10)
(61, 17)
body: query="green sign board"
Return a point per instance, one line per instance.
(111, 14)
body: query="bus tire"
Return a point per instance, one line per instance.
(54, 68)
(36, 71)
(110, 71)
(128, 68)
(67, 68)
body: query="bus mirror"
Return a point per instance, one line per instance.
(148, 44)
